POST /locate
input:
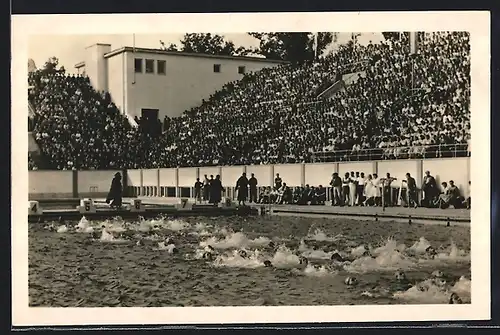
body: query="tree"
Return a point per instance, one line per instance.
(294, 47)
(50, 66)
(207, 44)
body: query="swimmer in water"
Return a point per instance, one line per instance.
(351, 281)
(268, 264)
(336, 257)
(431, 252)
(242, 253)
(455, 299)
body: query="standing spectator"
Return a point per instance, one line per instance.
(336, 184)
(345, 189)
(197, 190)
(411, 191)
(210, 182)
(430, 190)
(377, 194)
(360, 188)
(252, 182)
(216, 190)
(114, 197)
(387, 191)
(352, 189)
(467, 201)
(206, 189)
(242, 188)
(278, 182)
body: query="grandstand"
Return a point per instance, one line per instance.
(386, 104)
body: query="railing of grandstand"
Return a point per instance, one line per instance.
(413, 152)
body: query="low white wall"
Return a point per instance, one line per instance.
(60, 183)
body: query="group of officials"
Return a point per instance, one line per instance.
(354, 189)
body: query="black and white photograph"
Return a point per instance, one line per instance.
(302, 162)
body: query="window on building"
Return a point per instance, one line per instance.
(138, 65)
(150, 66)
(241, 69)
(216, 68)
(162, 65)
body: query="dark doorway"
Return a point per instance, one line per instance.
(149, 114)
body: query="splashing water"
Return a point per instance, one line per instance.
(429, 291)
(322, 271)
(252, 261)
(170, 248)
(359, 251)
(320, 236)
(62, 229)
(235, 240)
(420, 246)
(84, 226)
(386, 257)
(107, 236)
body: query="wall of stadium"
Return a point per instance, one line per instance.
(186, 81)
(176, 182)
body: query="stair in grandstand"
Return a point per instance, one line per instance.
(346, 80)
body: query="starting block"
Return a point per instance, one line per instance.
(87, 206)
(185, 204)
(137, 206)
(227, 203)
(34, 208)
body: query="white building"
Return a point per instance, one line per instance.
(155, 83)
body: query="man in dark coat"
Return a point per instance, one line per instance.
(242, 187)
(430, 189)
(114, 197)
(411, 191)
(210, 182)
(252, 182)
(216, 190)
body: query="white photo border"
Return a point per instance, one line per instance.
(475, 22)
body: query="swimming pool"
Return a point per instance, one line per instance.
(166, 262)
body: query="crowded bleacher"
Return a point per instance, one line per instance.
(399, 107)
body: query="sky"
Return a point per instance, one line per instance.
(68, 48)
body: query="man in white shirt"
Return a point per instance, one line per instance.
(360, 188)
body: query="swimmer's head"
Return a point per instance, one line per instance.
(303, 260)
(268, 264)
(455, 299)
(242, 253)
(336, 257)
(437, 274)
(400, 275)
(350, 281)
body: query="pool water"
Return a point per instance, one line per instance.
(161, 262)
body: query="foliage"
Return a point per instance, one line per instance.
(294, 47)
(208, 43)
(50, 66)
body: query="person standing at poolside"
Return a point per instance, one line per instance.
(252, 183)
(114, 197)
(242, 188)
(411, 191)
(216, 190)
(206, 189)
(197, 190)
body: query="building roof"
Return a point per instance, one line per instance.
(185, 54)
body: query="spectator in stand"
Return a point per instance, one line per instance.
(274, 115)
